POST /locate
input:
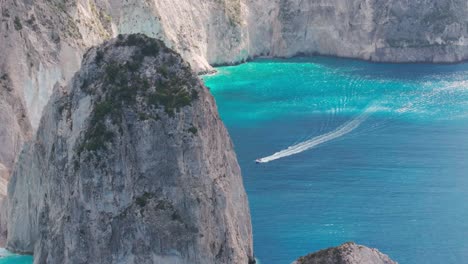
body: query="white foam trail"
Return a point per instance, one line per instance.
(313, 142)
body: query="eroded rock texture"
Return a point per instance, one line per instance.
(131, 164)
(42, 41)
(348, 253)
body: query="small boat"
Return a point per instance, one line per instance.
(258, 161)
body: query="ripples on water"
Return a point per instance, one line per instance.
(397, 182)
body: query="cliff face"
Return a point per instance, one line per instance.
(231, 31)
(378, 30)
(131, 164)
(42, 41)
(14, 130)
(348, 253)
(40, 46)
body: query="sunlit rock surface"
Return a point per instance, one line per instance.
(348, 253)
(42, 42)
(131, 164)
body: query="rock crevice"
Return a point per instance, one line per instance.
(131, 164)
(43, 41)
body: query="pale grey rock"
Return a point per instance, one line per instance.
(36, 52)
(131, 164)
(14, 130)
(54, 35)
(42, 41)
(377, 30)
(348, 253)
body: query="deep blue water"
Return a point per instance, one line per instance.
(398, 182)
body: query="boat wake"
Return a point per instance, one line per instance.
(313, 142)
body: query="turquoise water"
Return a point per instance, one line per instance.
(9, 258)
(396, 180)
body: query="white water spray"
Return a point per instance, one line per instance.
(313, 142)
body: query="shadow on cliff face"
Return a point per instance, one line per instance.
(130, 162)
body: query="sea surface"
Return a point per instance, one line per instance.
(365, 152)
(371, 153)
(9, 258)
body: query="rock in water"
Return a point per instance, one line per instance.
(348, 253)
(131, 164)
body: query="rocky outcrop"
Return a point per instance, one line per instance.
(348, 253)
(43, 40)
(131, 164)
(42, 43)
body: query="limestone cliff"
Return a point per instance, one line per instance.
(348, 253)
(43, 41)
(131, 164)
(40, 46)
(14, 130)
(377, 30)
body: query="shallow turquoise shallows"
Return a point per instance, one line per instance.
(371, 153)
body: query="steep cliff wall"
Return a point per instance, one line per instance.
(378, 30)
(40, 46)
(42, 42)
(131, 164)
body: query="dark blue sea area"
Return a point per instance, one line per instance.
(351, 151)
(371, 153)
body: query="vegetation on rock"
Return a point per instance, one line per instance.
(18, 25)
(127, 86)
